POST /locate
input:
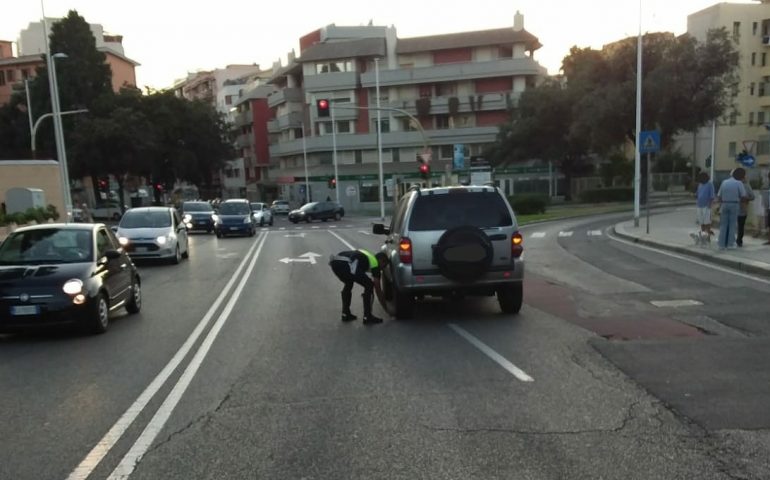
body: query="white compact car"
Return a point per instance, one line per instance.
(154, 232)
(262, 213)
(280, 207)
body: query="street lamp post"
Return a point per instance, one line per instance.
(379, 136)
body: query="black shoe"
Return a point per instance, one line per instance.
(371, 319)
(348, 317)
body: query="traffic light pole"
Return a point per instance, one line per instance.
(334, 152)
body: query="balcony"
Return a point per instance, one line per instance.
(453, 72)
(290, 120)
(479, 102)
(402, 139)
(326, 82)
(272, 126)
(245, 140)
(243, 118)
(763, 101)
(286, 95)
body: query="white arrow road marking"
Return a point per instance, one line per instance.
(308, 257)
(594, 233)
(565, 234)
(676, 303)
(537, 235)
(227, 255)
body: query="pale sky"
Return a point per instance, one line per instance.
(171, 37)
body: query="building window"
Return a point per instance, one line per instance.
(396, 155)
(442, 121)
(733, 118)
(751, 88)
(753, 58)
(736, 30)
(343, 127)
(505, 52)
(446, 89)
(2, 78)
(751, 118)
(446, 152)
(359, 156)
(407, 125)
(754, 28)
(760, 118)
(370, 192)
(384, 125)
(763, 147)
(763, 62)
(11, 76)
(24, 73)
(335, 66)
(228, 99)
(761, 89)
(731, 149)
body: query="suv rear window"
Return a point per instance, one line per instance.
(445, 211)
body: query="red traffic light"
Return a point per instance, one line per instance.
(322, 107)
(159, 187)
(424, 169)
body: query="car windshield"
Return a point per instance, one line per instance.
(234, 208)
(196, 207)
(308, 206)
(45, 246)
(146, 219)
(445, 211)
(280, 202)
(257, 206)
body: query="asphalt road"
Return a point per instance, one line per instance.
(238, 367)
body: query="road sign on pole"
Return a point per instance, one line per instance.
(649, 141)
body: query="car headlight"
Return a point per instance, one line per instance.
(73, 286)
(161, 240)
(247, 220)
(187, 218)
(123, 241)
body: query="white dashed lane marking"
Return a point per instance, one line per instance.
(565, 234)
(537, 235)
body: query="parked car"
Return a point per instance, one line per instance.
(317, 211)
(453, 241)
(154, 232)
(280, 207)
(198, 216)
(62, 274)
(108, 209)
(235, 217)
(262, 213)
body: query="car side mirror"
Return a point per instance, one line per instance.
(114, 228)
(380, 229)
(112, 254)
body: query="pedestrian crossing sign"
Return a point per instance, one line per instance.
(649, 141)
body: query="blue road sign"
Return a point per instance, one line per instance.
(649, 141)
(746, 160)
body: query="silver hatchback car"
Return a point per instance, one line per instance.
(154, 232)
(452, 242)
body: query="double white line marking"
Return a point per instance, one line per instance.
(143, 443)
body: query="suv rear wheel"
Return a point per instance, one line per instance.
(403, 303)
(510, 297)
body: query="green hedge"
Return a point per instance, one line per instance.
(614, 194)
(39, 215)
(529, 204)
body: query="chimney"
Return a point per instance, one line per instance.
(518, 22)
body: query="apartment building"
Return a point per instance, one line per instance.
(14, 70)
(440, 93)
(747, 126)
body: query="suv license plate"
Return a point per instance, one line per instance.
(25, 310)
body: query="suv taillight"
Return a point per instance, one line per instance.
(517, 245)
(405, 250)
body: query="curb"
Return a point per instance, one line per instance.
(746, 266)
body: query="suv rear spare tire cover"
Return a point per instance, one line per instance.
(463, 254)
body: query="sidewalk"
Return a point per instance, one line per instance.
(671, 231)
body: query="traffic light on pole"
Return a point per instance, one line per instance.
(332, 183)
(322, 107)
(425, 171)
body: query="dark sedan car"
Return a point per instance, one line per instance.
(235, 217)
(317, 211)
(56, 274)
(198, 216)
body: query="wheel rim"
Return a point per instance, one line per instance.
(104, 313)
(137, 295)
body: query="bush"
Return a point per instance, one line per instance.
(39, 215)
(529, 204)
(601, 195)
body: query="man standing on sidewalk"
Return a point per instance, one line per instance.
(731, 192)
(744, 205)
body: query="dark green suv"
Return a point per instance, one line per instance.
(450, 242)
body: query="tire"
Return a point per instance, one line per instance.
(463, 254)
(252, 232)
(177, 256)
(261, 222)
(309, 219)
(186, 253)
(134, 304)
(99, 319)
(219, 234)
(324, 219)
(271, 221)
(403, 303)
(337, 216)
(510, 297)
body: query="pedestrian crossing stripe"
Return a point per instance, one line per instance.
(594, 233)
(538, 235)
(565, 234)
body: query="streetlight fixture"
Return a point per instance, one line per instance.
(61, 152)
